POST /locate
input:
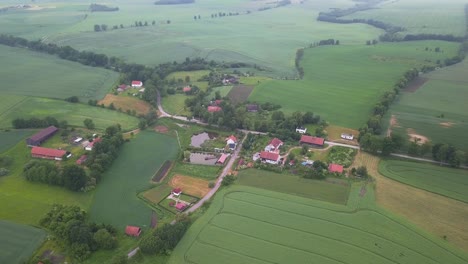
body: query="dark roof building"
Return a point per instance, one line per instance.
(47, 153)
(41, 136)
(312, 140)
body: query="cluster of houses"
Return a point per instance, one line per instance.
(135, 84)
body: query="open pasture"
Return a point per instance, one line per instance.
(31, 73)
(127, 103)
(342, 83)
(420, 16)
(9, 139)
(74, 114)
(175, 104)
(295, 185)
(249, 225)
(18, 242)
(449, 182)
(200, 171)
(444, 93)
(115, 199)
(239, 93)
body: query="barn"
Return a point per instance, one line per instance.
(317, 141)
(47, 153)
(41, 136)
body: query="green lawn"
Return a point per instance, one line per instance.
(115, 199)
(75, 114)
(449, 182)
(295, 185)
(35, 74)
(201, 171)
(250, 225)
(175, 104)
(342, 83)
(445, 93)
(10, 138)
(18, 242)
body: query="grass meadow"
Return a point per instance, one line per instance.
(115, 199)
(74, 114)
(449, 182)
(250, 225)
(175, 104)
(9, 139)
(295, 185)
(31, 73)
(18, 242)
(445, 92)
(420, 16)
(342, 83)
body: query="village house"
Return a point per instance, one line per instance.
(315, 141)
(176, 192)
(180, 207)
(274, 145)
(213, 109)
(230, 80)
(187, 89)
(270, 157)
(231, 142)
(134, 231)
(41, 136)
(47, 153)
(347, 136)
(90, 146)
(335, 168)
(137, 84)
(301, 130)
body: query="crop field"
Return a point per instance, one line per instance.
(239, 94)
(192, 186)
(223, 91)
(452, 183)
(249, 225)
(25, 202)
(420, 16)
(18, 242)
(35, 74)
(74, 114)
(444, 93)
(115, 199)
(9, 139)
(156, 194)
(342, 83)
(295, 185)
(127, 103)
(70, 23)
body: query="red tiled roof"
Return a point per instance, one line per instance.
(137, 83)
(223, 158)
(187, 89)
(177, 190)
(133, 231)
(232, 137)
(269, 155)
(96, 140)
(312, 140)
(47, 152)
(335, 168)
(212, 109)
(276, 142)
(180, 206)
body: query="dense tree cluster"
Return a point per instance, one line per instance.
(299, 56)
(34, 122)
(165, 238)
(70, 227)
(71, 176)
(102, 8)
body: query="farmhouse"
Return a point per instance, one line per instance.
(317, 141)
(213, 109)
(347, 136)
(47, 153)
(301, 130)
(41, 136)
(187, 89)
(137, 84)
(270, 157)
(335, 168)
(222, 159)
(90, 146)
(253, 108)
(81, 160)
(176, 191)
(231, 142)
(274, 145)
(134, 231)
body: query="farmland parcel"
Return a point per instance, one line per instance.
(249, 225)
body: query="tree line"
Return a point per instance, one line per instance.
(105, 27)
(34, 122)
(102, 8)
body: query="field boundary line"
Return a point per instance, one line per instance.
(14, 106)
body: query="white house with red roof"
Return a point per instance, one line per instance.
(90, 146)
(176, 191)
(231, 142)
(270, 157)
(137, 84)
(274, 145)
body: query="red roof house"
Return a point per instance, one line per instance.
(137, 84)
(133, 231)
(47, 153)
(177, 191)
(312, 140)
(187, 89)
(335, 168)
(180, 206)
(82, 159)
(213, 109)
(222, 159)
(274, 145)
(90, 146)
(270, 157)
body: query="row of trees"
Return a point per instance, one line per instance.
(71, 176)
(222, 14)
(34, 122)
(70, 227)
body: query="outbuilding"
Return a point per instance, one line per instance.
(134, 231)
(47, 153)
(41, 136)
(316, 141)
(335, 168)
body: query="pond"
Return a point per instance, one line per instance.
(198, 139)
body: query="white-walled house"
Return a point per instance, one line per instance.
(347, 136)
(270, 157)
(301, 130)
(137, 84)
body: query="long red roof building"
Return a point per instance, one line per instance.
(312, 140)
(47, 153)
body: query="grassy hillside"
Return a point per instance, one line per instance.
(342, 83)
(35, 74)
(249, 225)
(452, 183)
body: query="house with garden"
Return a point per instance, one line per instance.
(269, 157)
(137, 84)
(231, 142)
(274, 145)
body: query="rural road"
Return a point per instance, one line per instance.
(220, 179)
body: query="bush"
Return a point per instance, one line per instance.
(211, 185)
(4, 172)
(228, 180)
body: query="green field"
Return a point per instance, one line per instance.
(420, 16)
(175, 104)
(10, 138)
(115, 199)
(249, 225)
(295, 185)
(201, 171)
(18, 242)
(445, 92)
(35, 74)
(342, 83)
(74, 114)
(445, 181)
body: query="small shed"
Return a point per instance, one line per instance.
(82, 159)
(180, 207)
(134, 231)
(187, 89)
(335, 168)
(222, 159)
